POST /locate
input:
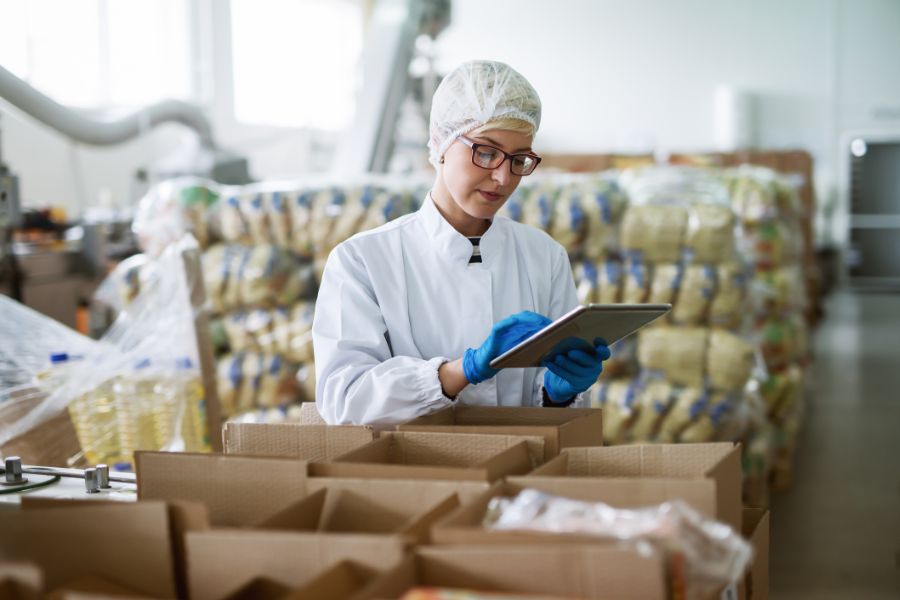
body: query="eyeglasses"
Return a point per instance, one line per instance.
(489, 157)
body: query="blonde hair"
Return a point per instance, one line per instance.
(506, 124)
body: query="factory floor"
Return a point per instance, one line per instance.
(836, 532)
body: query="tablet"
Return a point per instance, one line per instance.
(579, 328)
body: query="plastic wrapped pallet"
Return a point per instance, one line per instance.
(710, 232)
(300, 210)
(655, 400)
(174, 208)
(729, 306)
(611, 281)
(729, 361)
(619, 400)
(251, 380)
(603, 204)
(637, 281)
(537, 209)
(677, 353)
(698, 288)
(654, 231)
(688, 406)
(245, 276)
(568, 223)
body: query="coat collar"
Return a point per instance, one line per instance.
(451, 243)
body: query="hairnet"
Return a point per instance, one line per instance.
(474, 94)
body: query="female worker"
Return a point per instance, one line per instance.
(410, 314)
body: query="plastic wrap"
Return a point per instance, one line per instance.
(713, 555)
(137, 387)
(603, 204)
(249, 381)
(569, 224)
(254, 276)
(173, 208)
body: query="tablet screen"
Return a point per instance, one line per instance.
(581, 328)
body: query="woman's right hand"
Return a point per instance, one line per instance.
(506, 334)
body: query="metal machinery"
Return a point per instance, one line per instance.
(52, 278)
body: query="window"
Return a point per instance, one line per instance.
(295, 61)
(99, 53)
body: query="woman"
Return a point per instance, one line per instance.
(410, 314)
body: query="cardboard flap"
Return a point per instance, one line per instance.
(307, 442)
(574, 571)
(237, 490)
(647, 460)
(309, 414)
(462, 415)
(222, 561)
(20, 581)
(464, 526)
(405, 497)
(261, 588)
(450, 449)
(438, 456)
(343, 581)
(392, 583)
(303, 515)
(67, 543)
(558, 428)
(91, 587)
(558, 466)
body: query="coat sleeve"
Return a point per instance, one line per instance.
(358, 381)
(563, 298)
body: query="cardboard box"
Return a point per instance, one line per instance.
(417, 455)
(330, 525)
(237, 490)
(347, 580)
(127, 544)
(183, 517)
(756, 529)
(572, 571)
(398, 497)
(309, 414)
(91, 587)
(306, 442)
(20, 581)
(676, 467)
(560, 428)
(464, 525)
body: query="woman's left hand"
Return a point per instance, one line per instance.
(573, 372)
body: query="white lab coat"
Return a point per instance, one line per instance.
(398, 301)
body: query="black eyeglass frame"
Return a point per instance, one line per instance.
(506, 156)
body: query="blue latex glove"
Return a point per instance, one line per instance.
(573, 372)
(504, 335)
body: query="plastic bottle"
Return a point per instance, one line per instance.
(180, 415)
(91, 412)
(135, 403)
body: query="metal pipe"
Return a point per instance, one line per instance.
(100, 132)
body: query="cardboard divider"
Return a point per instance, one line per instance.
(373, 522)
(559, 428)
(346, 580)
(653, 464)
(413, 493)
(546, 571)
(306, 442)
(465, 525)
(68, 543)
(237, 490)
(436, 456)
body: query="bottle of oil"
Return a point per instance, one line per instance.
(135, 404)
(179, 417)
